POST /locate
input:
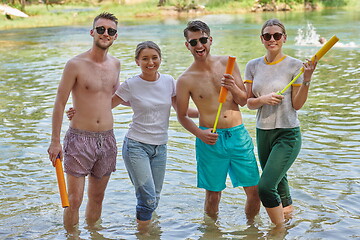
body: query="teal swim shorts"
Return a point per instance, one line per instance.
(233, 153)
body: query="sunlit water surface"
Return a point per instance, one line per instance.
(324, 179)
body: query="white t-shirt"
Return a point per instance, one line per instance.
(151, 104)
(273, 77)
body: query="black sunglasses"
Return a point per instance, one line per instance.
(202, 40)
(267, 36)
(101, 30)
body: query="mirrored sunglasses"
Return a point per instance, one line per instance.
(267, 36)
(202, 40)
(101, 30)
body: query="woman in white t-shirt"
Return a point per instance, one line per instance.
(150, 95)
(277, 126)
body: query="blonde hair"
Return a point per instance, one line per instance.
(106, 15)
(273, 22)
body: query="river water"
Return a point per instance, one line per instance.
(324, 179)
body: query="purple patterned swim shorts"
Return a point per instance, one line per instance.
(89, 153)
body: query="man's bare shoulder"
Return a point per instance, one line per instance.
(116, 62)
(78, 59)
(84, 58)
(220, 59)
(187, 74)
(113, 59)
(192, 72)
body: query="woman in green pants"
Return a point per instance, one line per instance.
(277, 127)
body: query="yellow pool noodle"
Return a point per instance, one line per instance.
(324, 49)
(319, 54)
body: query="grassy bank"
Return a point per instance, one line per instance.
(41, 15)
(60, 15)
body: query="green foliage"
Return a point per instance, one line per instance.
(290, 2)
(228, 5)
(217, 3)
(144, 9)
(325, 3)
(185, 4)
(334, 3)
(354, 4)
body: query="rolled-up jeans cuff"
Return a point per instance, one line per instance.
(143, 216)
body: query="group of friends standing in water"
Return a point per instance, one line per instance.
(89, 146)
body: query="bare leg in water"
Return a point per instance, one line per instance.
(212, 200)
(252, 206)
(143, 226)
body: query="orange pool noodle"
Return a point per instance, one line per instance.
(223, 91)
(61, 183)
(229, 69)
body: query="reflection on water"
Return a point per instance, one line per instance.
(324, 179)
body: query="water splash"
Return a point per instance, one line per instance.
(307, 36)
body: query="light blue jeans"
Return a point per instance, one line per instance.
(146, 166)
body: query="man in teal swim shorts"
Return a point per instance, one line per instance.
(230, 150)
(232, 153)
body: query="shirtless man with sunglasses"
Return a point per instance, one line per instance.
(230, 149)
(89, 144)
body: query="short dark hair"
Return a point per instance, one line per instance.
(147, 44)
(106, 15)
(273, 22)
(196, 26)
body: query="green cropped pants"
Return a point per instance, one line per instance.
(277, 151)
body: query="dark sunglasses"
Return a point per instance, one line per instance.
(202, 40)
(101, 30)
(267, 36)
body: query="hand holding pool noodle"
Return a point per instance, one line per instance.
(223, 91)
(61, 183)
(322, 51)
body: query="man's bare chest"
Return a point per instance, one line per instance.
(206, 87)
(96, 79)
